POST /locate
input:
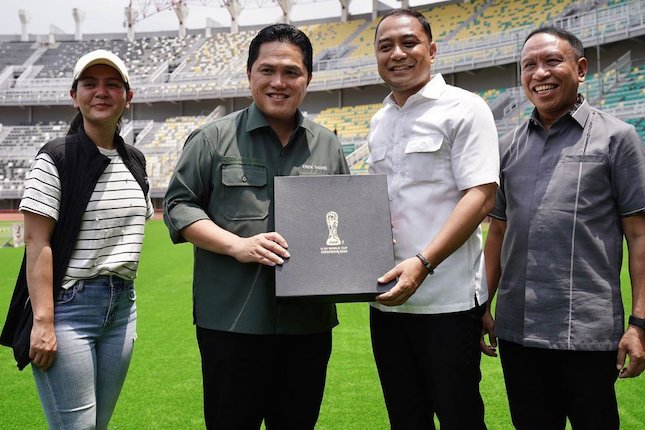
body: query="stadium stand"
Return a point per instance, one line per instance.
(18, 147)
(180, 81)
(631, 88)
(163, 147)
(144, 56)
(328, 39)
(221, 53)
(12, 173)
(502, 15)
(444, 19)
(13, 53)
(350, 121)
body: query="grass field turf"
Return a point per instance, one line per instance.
(163, 388)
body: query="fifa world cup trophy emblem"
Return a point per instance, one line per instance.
(332, 226)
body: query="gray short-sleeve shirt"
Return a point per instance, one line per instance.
(562, 194)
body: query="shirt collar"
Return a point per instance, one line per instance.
(579, 112)
(431, 90)
(256, 119)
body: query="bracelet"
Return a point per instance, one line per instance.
(429, 267)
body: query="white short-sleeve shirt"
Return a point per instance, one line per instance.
(440, 143)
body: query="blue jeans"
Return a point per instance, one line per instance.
(95, 324)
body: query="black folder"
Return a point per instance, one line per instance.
(339, 233)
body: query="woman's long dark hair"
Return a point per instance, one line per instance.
(77, 121)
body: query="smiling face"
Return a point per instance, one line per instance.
(404, 55)
(278, 80)
(551, 73)
(101, 96)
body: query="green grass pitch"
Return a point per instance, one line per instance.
(163, 388)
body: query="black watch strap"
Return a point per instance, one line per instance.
(638, 322)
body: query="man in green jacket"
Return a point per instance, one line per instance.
(260, 360)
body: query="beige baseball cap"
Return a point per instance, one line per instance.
(101, 56)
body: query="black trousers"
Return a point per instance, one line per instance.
(250, 378)
(545, 386)
(429, 364)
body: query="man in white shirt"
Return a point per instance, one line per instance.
(438, 146)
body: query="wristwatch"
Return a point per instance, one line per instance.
(638, 322)
(429, 267)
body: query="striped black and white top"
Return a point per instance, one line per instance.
(111, 234)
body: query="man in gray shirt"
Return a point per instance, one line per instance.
(572, 184)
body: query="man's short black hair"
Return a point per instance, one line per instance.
(285, 33)
(572, 39)
(411, 13)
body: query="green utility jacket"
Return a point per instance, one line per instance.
(225, 174)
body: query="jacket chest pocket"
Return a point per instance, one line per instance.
(246, 194)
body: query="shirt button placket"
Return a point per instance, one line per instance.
(397, 153)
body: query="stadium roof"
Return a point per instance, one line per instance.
(47, 16)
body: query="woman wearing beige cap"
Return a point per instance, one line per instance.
(85, 203)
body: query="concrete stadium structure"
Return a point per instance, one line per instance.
(181, 82)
